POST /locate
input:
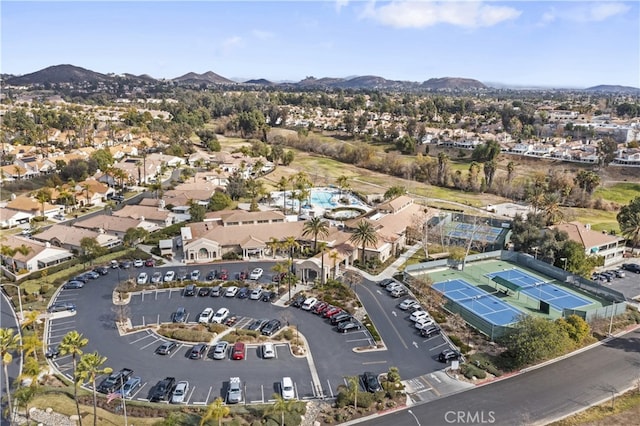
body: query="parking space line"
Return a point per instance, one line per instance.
(193, 389)
(63, 322)
(374, 362)
(206, 401)
(149, 344)
(439, 346)
(141, 338)
(138, 391)
(328, 387)
(431, 387)
(177, 350)
(70, 327)
(356, 340)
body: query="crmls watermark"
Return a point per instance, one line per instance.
(470, 417)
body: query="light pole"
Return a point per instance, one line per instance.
(19, 299)
(565, 262)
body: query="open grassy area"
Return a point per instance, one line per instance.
(621, 192)
(625, 410)
(600, 220)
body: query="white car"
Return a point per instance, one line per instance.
(287, 389)
(256, 274)
(169, 276)
(195, 275)
(231, 291)
(256, 293)
(424, 322)
(143, 278)
(220, 315)
(268, 351)
(138, 263)
(156, 277)
(180, 392)
(309, 303)
(407, 303)
(393, 286)
(206, 315)
(418, 315)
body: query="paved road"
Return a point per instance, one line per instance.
(536, 397)
(8, 320)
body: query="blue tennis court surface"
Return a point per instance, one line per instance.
(479, 302)
(536, 289)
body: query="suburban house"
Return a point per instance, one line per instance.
(114, 225)
(32, 206)
(37, 255)
(70, 237)
(155, 215)
(610, 247)
(10, 218)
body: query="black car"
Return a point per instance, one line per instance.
(430, 331)
(346, 326)
(371, 382)
(115, 380)
(204, 291)
(166, 348)
(125, 264)
(269, 296)
(449, 355)
(298, 301)
(190, 290)
(180, 315)
(162, 390)
(386, 282)
(198, 351)
(243, 293)
(53, 352)
(271, 327)
(631, 267)
(345, 316)
(102, 270)
(211, 276)
(257, 324)
(216, 291)
(84, 278)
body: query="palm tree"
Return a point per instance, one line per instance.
(85, 188)
(316, 226)
(354, 385)
(282, 186)
(334, 255)
(12, 251)
(31, 319)
(72, 344)
(8, 343)
(343, 183)
(364, 235)
(43, 196)
(215, 411)
(143, 150)
(88, 369)
(274, 245)
(281, 406)
(30, 344)
(322, 246)
(443, 162)
(511, 167)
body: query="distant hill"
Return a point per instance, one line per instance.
(59, 74)
(260, 82)
(614, 89)
(208, 77)
(452, 83)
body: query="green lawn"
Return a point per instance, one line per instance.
(621, 193)
(598, 219)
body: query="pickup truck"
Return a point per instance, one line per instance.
(115, 380)
(163, 389)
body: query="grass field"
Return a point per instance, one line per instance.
(621, 192)
(600, 220)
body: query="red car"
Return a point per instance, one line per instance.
(149, 262)
(224, 274)
(331, 312)
(237, 352)
(319, 307)
(243, 275)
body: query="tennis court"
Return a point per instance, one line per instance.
(479, 302)
(486, 234)
(537, 289)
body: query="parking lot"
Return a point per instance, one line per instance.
(629, 285)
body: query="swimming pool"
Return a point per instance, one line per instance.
(321, 200)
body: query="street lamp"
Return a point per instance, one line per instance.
(565, 262)
(19, 299)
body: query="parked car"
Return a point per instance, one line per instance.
(268, 351)
(220, 315)
(341, 317)
(234, 394)
(271, 327)
(448, 355)
(346, 326)
(195, 275)
(430, 331)
(256, 274)
(198, 351)
(269, 296)
(211, 276)
(190, 290)
(620, 273)
(156, 277)
(169, 276)
(256, 293)
(204, 291)
(243, 275)
(334, 310)
(125, 264)
(62, 307)
(243, 293)
(220, 350)
(180, 315)
(371, 382)
(231, 291)
(166, 348)
(162, 390)
(223, 275)
(216, 291)
(130, 387)
(206, 315)
(407, 303)
(142, 278)
(149, 263)
(114, 380)
(392, 287)
(92, 275)
(298, 301)
(279, 277)
(102, 270)
(424, 322)
(319, 307)
(237, 352)
(418, 315)
(631, 267)
(53, 352)
(257, 324)
(180, 392)
(309, 303)
(386, 282)
(399, 292)
(73, 285)
(286, 388)
(114, 264)
(82, 278)
(138, 263)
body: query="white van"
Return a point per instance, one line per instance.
(309, 303)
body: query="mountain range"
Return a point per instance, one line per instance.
(58, 74)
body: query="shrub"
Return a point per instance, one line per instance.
(231, 256)
(464, 348)
(186, 334)
(470, 371)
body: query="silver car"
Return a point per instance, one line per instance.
(180, 392)
(220, 350)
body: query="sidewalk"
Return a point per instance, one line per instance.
(391, 269)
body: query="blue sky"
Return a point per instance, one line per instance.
(542, 43)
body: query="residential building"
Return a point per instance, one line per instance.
(610, 247)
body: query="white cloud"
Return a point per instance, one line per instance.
(412, 14)
(262, 35)
(592, 12)
(341, 4)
